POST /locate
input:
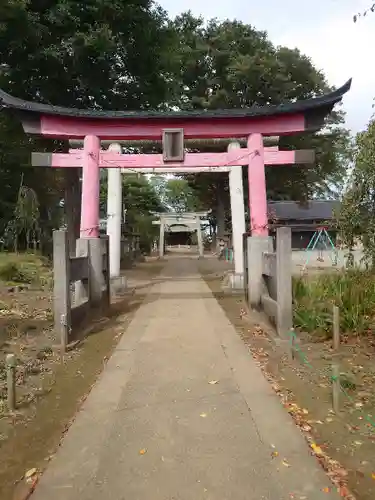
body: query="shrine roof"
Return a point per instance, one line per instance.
(312, 210)
(324, 103)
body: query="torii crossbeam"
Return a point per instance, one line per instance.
(144, 162)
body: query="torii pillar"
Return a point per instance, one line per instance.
(89, 229)
(257, 186)
(238, 219)
(90, 188)
(114, 212)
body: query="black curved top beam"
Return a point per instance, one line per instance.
(322, 103)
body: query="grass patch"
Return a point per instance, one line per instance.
(353, 291)
(24, 268)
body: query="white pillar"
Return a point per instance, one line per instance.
(199, 237)
(161, 238)
(237, 206)
(114, 212)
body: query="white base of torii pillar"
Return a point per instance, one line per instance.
(114, 212)
(237, 206)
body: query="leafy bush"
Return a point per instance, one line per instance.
(12, 271)
(353, 291)
(24, 268)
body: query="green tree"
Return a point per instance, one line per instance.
(180, 196)
(140, 200)
(356, 219)
(364, 13)
(100, 54)
(232, 65)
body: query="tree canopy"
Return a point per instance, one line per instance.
(127, 54)
(230, 64)
(101, 54)
(371, 8)
(356, 219)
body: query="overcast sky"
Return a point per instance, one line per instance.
(322, 29)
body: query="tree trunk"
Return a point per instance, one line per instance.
(72, 205)
(220, 213)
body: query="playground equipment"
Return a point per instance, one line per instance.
(320, 241)
(228, 254)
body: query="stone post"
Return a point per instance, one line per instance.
(114, 213)
(81, 290)
(284, 292)
(256, 245)
(10, 362)
(238, 218)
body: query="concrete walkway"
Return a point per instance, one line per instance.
(155, 428)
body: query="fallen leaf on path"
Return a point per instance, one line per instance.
(343, 491)
(30, 473)
(274, 454)
(142, 451)
(276, 387)
(284, 462)
(203, 415)
(373, 475)
(329, 420)
(326, 490)
(316, 449)
(213, 382)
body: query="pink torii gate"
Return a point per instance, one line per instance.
(232, 158)
(253, 123)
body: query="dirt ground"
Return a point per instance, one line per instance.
(343, 443)
(49, 389)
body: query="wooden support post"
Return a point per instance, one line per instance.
(106, 269)
(292, 345)
(284, 293)
(161, 238)
(336, 386)
(336, 329)
(61, 288)
(10, 362)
